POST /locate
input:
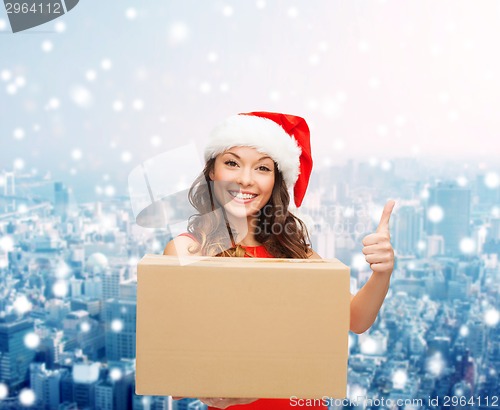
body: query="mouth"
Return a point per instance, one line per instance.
(241, 197)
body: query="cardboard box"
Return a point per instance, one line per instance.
(242, 327)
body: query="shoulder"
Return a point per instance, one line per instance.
(313, 255)
(180, 246)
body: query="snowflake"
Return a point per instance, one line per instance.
(212, 57)
(18, 163)
(227, 11)
(31, 340)
(90, 75)
(4, 391)
(106, 64)
(126, 156)
(117, 325)
(491, 180)
(76, 154)
(60, 27)
(399, 379)
(117, 105)
(436, 364)
(18, 133)
(435, 214)
(138, 104)
(81, 96)
(178, 33)
(22, 304)
(60, 288)
(85, 327)
(115, 374)
(369, 346)
(205, 87)
(131, 13)
(467, 245)
(27, 397)
(491, 317)
(47, 46)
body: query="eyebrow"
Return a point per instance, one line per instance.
(237, 156)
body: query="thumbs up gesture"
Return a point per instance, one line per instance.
(377, 246)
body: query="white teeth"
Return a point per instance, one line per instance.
(242, 196)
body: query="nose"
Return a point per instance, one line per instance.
(245, 177)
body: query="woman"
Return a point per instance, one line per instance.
(242, 198)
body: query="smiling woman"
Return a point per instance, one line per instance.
(242, 193)
(251, 162)
(242, 201)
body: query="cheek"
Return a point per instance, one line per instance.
(270, 186)
(220, 175)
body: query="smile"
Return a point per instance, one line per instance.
(240, 197)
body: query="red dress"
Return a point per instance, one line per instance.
(264, 404)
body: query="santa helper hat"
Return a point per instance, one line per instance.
(285, 138)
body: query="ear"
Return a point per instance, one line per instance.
(211, 175)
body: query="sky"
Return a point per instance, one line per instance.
(93, 94)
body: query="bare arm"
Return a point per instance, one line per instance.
(179, 246)
(378, 251)
(368, 301)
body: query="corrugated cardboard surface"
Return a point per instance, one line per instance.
(242, 327)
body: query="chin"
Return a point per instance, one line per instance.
(240, 211)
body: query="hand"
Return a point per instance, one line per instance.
(222, 403)
(377, 246)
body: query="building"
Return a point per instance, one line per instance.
(46, 386)
(9, 190)
(15, 357)
(115, 391)
(120, 318)
(61, 200)
(408, 229)
(111, 282)
(85, 378)
(454, 202)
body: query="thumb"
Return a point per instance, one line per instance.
(386, 215)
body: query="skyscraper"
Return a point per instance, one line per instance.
(114, 392)
(120, 316)
(487, 193)
(111, 282)
(15, 357)
(408, 226)
(448, 214)
(61, 200)
(9, 190)
(46, 385)
(85, 378)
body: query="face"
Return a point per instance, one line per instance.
(244, 180)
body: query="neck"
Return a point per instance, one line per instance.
(245, 228)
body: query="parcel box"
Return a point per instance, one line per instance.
(242, 327)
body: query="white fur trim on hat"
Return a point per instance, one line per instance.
(262, 134)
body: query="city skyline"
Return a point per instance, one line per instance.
(69, 281)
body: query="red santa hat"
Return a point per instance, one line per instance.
(285, 138)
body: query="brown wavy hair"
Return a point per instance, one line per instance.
(282, 233)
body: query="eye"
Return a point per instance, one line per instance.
(230, 163)
(264, 168)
